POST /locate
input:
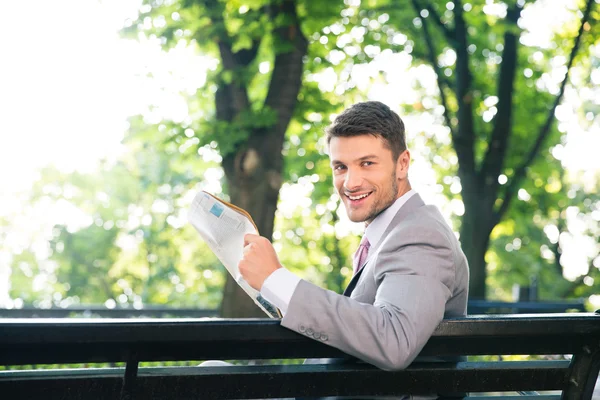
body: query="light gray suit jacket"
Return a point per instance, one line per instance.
(414, 277)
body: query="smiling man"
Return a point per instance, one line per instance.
(409, 272)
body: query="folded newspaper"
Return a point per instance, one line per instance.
(222, 226)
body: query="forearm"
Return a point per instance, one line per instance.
(385, 334)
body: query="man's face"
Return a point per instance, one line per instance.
(365, 175)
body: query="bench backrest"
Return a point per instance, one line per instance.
(474, 306)
(34, 341)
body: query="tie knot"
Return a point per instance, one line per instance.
(364, 242)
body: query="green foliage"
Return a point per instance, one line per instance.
(135, 246)
(530, 242)
(531, 102)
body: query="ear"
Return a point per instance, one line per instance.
(402, 165)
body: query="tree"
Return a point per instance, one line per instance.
(490, 123)
(282, 68)
(251, 113)
(549, 223)
(132, 245)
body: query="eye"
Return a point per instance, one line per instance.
(367, 163)
(339, 167)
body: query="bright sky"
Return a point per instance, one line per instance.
(68, 82)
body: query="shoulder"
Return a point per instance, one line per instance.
(421, 243)
(423, 224)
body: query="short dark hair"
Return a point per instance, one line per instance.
(370, 118)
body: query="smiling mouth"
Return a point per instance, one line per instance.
(358, 197)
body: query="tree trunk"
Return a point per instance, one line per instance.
(475, 237)
(254, 179)
(254, 170)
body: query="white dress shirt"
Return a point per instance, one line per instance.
(279, 287)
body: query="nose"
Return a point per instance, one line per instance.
(352, 180)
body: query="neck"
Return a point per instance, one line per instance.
(403, 188)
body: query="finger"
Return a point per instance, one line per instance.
(250, 238)
(247, 249)
(242, 267)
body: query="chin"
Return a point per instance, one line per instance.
(357, 218)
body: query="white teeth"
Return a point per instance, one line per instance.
(362, 196)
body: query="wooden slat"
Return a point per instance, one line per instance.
(74, 340)
(504, 397)
(247, 382)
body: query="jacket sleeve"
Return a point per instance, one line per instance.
(414, 274)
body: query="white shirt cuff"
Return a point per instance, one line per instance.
(279, 287)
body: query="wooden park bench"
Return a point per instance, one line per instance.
(26, 342)
(474, 306)
(524, 307)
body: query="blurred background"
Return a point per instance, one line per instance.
(114, 113)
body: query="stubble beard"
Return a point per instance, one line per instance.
(381, 205)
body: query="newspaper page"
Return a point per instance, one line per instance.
(223, 228)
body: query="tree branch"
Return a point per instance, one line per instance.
(502, 130)
(424, 57)
(555, 247)
(227, 55)
(447, 81)
(464, 142)
(246, 56)
(432, 57)
(286, 78)
(448, 32)
(561, 225)
(521, 170)
(231, 97)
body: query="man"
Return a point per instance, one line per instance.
(410, 272)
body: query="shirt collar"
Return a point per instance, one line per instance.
(376, 228)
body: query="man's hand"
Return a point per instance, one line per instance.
(259, 260)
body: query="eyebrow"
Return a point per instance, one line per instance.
(361, 159)
(367, 157)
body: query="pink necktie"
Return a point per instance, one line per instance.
(361, 254)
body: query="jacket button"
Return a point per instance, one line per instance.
(317, 335)
(301, 328)
(309, 331)
(324, 337)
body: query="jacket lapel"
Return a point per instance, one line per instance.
(412, 204)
